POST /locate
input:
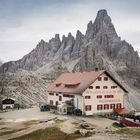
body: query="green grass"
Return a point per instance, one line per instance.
(129, 131)
(117, 125)
(10, 131)
(51, 133)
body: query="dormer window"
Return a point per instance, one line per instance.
(58, 84)
(72, 85)
(90, 87)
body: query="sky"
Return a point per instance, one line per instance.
(23, 23)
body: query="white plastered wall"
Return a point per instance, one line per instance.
(55, 98)
(11, 106)
(93, 101)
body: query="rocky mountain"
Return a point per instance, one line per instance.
(26, 87)
(100, 47)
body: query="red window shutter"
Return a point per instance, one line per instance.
(99, 107)
(87, 97)
(88, 107)
(51, 102)
(106, 106)
(99, 96)
(112, 106)
(119, 105)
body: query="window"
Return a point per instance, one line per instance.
(99, 96)
(113, 87)
(87, 97)
(109, 96)
(99, 107)
(56, 103)
(97, 87)
(99, 78)
(105, 78)
(112, 106)
(51, 93)
(69, 96)
(58, 84)
(119, 105)
(71, 85)
(64, 110)
(90, 87)
(105, 87)
(106, 106)
(60, 98)
(88, 107)
(56, 94)
(51, 102)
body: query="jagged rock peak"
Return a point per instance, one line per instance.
(102, 13)
(89, 25)
(70, 35)
(102, 23)
(57, 36)
(78, 33)
(102, 17)
(63, 37)
(41, 42)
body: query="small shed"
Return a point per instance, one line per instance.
(64, 108)
(121, 111)
(8, 103)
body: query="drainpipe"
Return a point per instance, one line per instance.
(77, 103)
(83, 106)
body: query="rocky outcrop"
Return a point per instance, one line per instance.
(27, 88)
(100, 47)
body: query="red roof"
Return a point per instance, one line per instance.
(77, 82)
(122, 111)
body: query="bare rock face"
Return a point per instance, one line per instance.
(102, 24)
(100, 47)
(27, 88)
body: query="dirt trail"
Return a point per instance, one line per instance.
(69, 124)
